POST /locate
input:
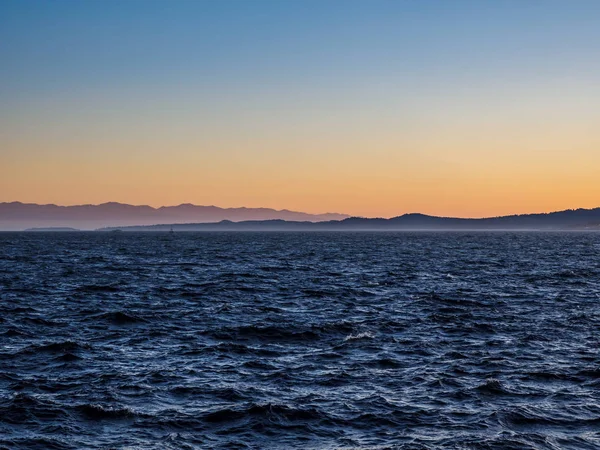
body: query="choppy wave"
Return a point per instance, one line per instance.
(308, 341)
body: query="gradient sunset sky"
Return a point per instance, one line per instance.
(374, 108)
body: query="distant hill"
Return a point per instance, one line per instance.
(579, 219)
(19, 216)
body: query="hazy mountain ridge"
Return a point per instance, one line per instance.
(188, 217)
(18, 216)
(572, 219)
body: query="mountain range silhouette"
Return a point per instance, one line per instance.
(18, 216)
(188, 217)
(578, 219)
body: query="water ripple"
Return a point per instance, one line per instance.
(300, 340)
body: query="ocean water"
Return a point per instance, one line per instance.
(300, 341)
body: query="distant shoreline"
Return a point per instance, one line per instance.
(332, 231)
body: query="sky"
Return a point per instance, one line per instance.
(375, 108)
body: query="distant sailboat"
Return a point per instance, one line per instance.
(171, 231)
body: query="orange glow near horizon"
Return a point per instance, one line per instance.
(492, 160)
(373, 184)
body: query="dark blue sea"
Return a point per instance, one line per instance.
(300, 340)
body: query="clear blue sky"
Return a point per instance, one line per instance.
(293, 103)
(53, 45)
